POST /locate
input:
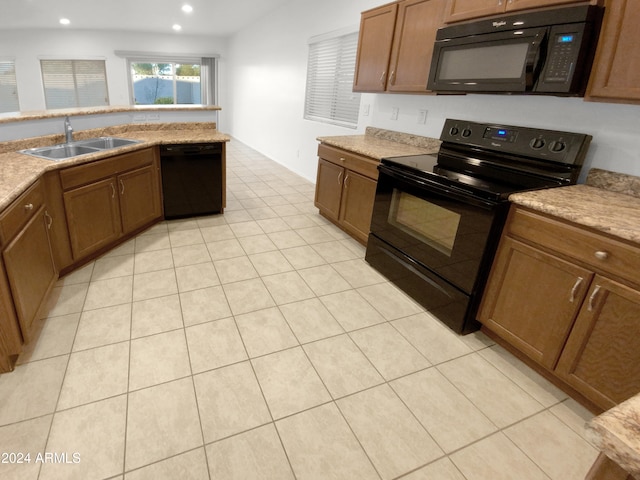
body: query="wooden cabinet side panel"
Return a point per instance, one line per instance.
(374, 49)
(416, 27)
(357, 205)
(30, 270)
(93, 217)
(602, 355)
(59, 231)
(329, 188)
(532, 299)
(139, 198)
(616, 70)
(10, 336)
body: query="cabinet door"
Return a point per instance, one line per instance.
(416, 26)
(329, 188)
(30, 270)
(10, 336)
(139, 198)
(532, 299)
(357, 205)
(616, 71)
(374, 49)
(602, 356)
(522, 4)
(457, 10)
(93, 216)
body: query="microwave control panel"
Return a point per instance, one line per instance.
(565, 52)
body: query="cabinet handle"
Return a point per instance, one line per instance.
(593, 297)
(28, 206)
(382, 78)
(345, 181)
(342, 159)
(575, 289)
(392, 77)
(601, 255)
(121, 187)
(113, 191)
(340, 179)
(49, 219)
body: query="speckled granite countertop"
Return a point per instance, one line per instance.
(378, 143)
(617, 433)
(608, 202)
(19, 171)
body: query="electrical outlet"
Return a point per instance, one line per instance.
(365, 110)
(422, 116)
(394, 113)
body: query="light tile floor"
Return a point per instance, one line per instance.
(260, 344)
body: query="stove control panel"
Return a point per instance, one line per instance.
(552, 145)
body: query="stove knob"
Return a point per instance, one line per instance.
(537, 143)
(557, 146)
(466, 133)
(454, 131)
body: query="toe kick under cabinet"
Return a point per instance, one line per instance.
(568, 298)
(346, 189)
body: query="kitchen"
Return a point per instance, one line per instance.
(262, 78)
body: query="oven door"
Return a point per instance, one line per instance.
(443, 229)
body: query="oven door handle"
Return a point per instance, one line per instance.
(449, 192)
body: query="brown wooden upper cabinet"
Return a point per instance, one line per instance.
(457, 10)
(395, 46)
(616, 71)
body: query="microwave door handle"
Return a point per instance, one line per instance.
(535, 59)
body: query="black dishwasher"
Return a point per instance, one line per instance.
(191, 179)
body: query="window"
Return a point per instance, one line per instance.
(330, 97)
(165, 81)
(74, 83)
(8, 87)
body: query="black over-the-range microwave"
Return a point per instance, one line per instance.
(542, 52)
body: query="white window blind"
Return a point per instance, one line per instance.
(74, 83)
(8, 87)
(330, 97)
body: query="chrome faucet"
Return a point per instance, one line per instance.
(68, 130)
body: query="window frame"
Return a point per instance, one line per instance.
(10, 103)
(208, 73)
(76, 91)
(336, 113)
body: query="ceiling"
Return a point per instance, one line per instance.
(209, 17)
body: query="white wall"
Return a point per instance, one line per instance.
(27, 47)
(267, 71)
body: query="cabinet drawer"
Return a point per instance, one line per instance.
(352, 161)
(92, 172)
(21, 211)
(596, 251)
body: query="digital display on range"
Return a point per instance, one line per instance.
(503, 134)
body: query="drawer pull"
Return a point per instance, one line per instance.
(49, 219)
(574, 290)
(340, 179)
(601, 255)
(342, 159)
(593, 297)
(28, 206)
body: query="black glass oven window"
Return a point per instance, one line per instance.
(504, 61)
(425, 221)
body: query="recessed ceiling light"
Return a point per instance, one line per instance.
(187, 8)
(177, 27)
(65, 21)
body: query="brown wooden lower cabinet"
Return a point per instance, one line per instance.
(575, 317)
(606, 469)
(345, 189)
(10, 336)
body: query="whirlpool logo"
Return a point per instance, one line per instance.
(499, 24)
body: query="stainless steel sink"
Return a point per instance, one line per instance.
(64, 151)
(105, 143)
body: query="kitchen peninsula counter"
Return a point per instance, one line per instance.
(377, 143)
(18, 171)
